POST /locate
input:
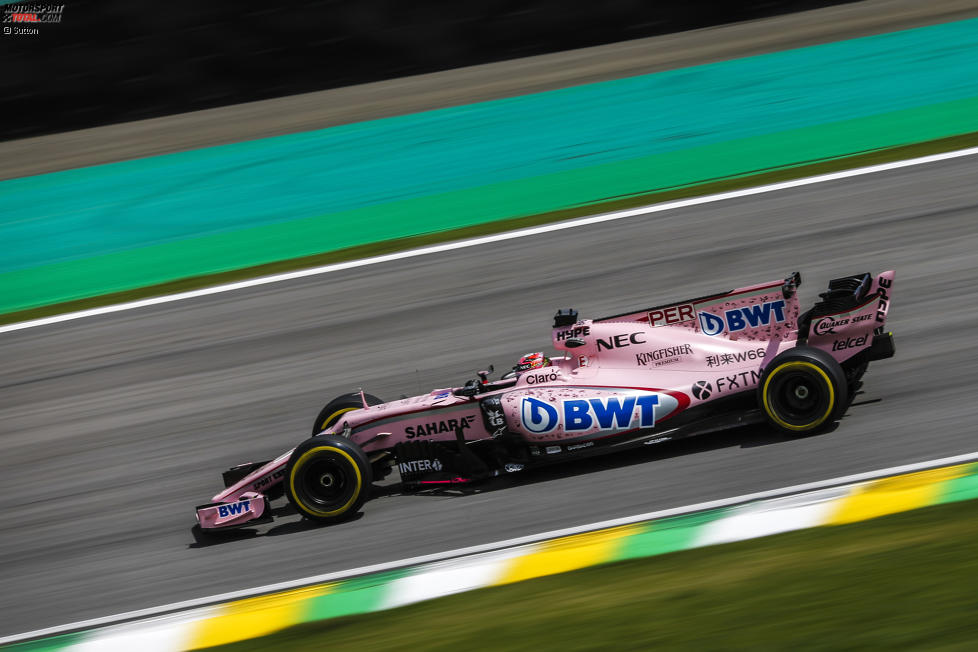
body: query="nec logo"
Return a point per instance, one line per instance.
(618, 341)
(233, 509)
(738, 319)
(604, 413)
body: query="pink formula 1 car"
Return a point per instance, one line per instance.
(642, 377)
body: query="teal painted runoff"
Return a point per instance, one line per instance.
(108, 209)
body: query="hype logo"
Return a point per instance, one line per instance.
(539, 416)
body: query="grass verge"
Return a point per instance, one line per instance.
(904, 581)
(658, 195)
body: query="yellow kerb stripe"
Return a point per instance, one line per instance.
(567, 554)
(254, 617)
(892, 495)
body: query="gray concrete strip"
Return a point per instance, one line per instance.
(322, 109)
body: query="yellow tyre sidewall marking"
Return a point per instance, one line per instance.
(302, 460)
(793, 365)
(328, 421)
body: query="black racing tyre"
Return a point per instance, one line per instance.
(327, 478)
(803, 391)
(338, 407)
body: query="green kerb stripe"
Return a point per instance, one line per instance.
(667, 535)
(961, 488)
(356, 596)
(52, 644)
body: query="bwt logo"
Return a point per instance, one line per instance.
(233, 509)
(607, 413)
(738, 319)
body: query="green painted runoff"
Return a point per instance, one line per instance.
(90, 231)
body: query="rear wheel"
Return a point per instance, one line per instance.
(327, 478)
(339, 406)
(803, 391)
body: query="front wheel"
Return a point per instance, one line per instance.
(803, 391)
(339, 406)
(327, 478)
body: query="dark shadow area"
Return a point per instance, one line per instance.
(750, 436)
(204, 539)
(303, 525)
(744, 437)
(119, 60)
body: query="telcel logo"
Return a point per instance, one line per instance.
(849, 342)
(738, 319)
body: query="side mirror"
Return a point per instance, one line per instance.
(484, 375)
(574, 342)
(471, 388)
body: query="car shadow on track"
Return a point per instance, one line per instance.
(744, 437)
(751, 436)
(219, 537)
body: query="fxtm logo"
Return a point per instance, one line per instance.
(738, 319)
(702, 390)
(576, 415)
(738, 382)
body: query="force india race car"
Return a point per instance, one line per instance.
(642, 377)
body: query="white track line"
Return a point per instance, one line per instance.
(474, 242)
(487, 547)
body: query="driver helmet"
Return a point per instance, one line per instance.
(532, 361)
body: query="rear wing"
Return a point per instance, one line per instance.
(851, 317)
(758, 312)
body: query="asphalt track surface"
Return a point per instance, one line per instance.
(114, 427)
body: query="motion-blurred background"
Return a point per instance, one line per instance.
(113, 426)
(117, 60)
